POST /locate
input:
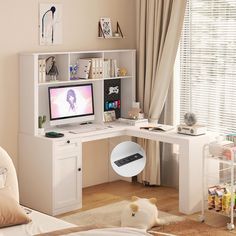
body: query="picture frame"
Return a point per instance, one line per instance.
(50, 23)
(106, 27)
(109, 116)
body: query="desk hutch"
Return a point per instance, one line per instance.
(50, 170)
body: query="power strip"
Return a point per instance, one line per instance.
(128, 159)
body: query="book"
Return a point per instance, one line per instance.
(92, 73)
(133, 122)
(106, 68)
(42, 70)
(101, 61)
(114, 64)
(157, 127)
(98, 67)
(113, 67)
(84, 68)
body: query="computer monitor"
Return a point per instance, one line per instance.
(71, 103)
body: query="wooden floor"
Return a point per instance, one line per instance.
(103, 194)
(167, 200)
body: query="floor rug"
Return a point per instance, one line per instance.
(109, 215)
(193, 228)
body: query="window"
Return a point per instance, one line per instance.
(208, 64)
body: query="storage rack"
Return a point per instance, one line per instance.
(231, 183)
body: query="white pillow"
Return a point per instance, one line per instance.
(3, 177)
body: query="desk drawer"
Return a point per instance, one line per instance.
(67, 146)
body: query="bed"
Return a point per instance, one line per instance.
(121, 231)
(44, 225)
(40, 223)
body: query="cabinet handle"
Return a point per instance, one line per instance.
(79, 169)
(68, 141)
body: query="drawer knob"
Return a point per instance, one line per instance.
(79, 169)
(68, 141)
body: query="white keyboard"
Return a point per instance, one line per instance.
(86, 129)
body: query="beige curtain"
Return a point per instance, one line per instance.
(168, 152)
(159, 28)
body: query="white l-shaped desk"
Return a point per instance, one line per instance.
(190, 161)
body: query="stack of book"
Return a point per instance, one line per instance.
(84, 67)
(96, 70)
(90, 68)
(42, 70)
(110, 68)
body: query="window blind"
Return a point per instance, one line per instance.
(208, 64)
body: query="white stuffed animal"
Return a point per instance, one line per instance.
(141, 213)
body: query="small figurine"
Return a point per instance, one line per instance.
(134, 113)
(52, 70)
(123, 71)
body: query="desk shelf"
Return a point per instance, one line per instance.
(33, 85)
(55, 83)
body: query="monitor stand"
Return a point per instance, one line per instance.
(73, 125)
(68, 126)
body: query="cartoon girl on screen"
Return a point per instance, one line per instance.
(71, 99)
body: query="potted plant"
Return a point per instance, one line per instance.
(41, 121)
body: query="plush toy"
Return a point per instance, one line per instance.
(141, 213)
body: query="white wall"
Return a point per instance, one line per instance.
(19, 32)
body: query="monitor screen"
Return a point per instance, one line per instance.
(71, 101)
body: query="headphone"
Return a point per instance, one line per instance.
(52, 9)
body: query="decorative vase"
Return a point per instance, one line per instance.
(41, 131)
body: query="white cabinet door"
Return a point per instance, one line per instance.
(68, 174)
